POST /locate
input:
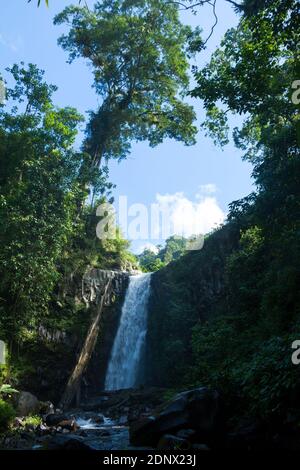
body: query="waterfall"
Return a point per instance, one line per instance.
(127, 351)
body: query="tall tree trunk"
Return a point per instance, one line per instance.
(90, 342)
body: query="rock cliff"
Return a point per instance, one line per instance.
(51, 358)
(187, 291)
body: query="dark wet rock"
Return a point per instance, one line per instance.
(46, 408)
(123, 420)
(189, 418)
(186, 433)
(93, 416)
(132, 402)
(69, 424)
(55, 419)
(200, 447)
(197, 409)
(69, 442)
(27, 404)
(169, 442)
(94, 281)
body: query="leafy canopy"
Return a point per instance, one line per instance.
(138, 50)
(39, 190)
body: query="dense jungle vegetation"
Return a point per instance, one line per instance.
(238, 339)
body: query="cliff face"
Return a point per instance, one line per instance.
(188, 291)
(49, 361)
(93, 283)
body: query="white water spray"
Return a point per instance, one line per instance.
(126, 355)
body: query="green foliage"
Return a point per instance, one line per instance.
(224, 316)
(251, 75)
(32, 421)
(45, 240)
(173, 248)
(184, 292)
(7, 389)
(139, 54)
(85, 250)
(255, 374)
(270, 382)
(39, 190)
(149, 261)
(7, 413)
(233, 313)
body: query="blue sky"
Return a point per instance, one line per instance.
(200, 180)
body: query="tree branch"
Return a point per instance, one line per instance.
(238, 6)
(215, 23)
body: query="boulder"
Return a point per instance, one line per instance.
(197, 409)
(67, 442)
(169, 442)
(186, 434)
(69, 424)
(56, 418)
(200, 447)
(123, 420)
(46, 407)
(27, 404)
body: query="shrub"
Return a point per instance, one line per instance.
(256, 376)
(269, 381)
(7, 413)
(32, 421)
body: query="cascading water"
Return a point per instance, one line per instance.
(125, 360)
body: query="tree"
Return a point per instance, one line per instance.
(251, 74)
(150, 261)
(175, 246)
(138, 51)
(39, 188)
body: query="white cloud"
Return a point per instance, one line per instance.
(188, 217)
(170, 214)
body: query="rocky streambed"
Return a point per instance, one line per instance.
(77, 432)
(145, 419)
(101, 423)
